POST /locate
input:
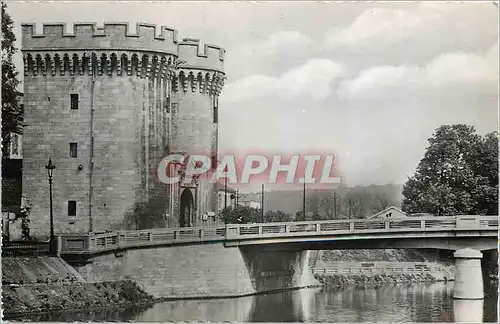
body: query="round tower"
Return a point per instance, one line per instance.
(197, 83)
(97, 101)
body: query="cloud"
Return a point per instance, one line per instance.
(313, 79)
(428, 23)
(281, 41)
(387, 25)
(266, 55)
(446, 70)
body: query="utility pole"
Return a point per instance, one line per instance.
(262, 203)
(304, 201)
(225, 192)
(335, 205)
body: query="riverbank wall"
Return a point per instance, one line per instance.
(41, 284)
(342, 274)
(23, 301)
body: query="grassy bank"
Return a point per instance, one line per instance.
(23, 301)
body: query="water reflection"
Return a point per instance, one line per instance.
(213, 310)
(388, 303)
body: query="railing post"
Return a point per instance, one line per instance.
(422, 224)
(351, 226)
(59, 246)
(150, 236)
(387, 225)
(318, 227)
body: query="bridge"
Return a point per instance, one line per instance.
(266, 257)
(447, 233)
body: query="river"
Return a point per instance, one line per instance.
(418, 302)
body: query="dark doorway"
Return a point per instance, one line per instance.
(187, 206)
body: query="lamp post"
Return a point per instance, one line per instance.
(50, 171)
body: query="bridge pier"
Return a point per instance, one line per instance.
(468, 274)
(468, 310)
(275, 270)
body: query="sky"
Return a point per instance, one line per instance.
(368, 82)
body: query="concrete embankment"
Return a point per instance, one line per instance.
(36, 285)
(344, 280)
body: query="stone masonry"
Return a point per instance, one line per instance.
(139, 97)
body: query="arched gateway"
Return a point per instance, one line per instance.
(187, 206)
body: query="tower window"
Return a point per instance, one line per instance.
(73, 150)
(216, 109)
(71, 208)
(214, 162)
(167, 106)
(216, 114)
(74, 101)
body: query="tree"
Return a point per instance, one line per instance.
(457, 175)
(147, 214)
(241, 215)
(313, 205)
(277, 216)
(11, 109)
(299, 216)
(382, 201)
(355, 204)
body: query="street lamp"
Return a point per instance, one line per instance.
(50, 171)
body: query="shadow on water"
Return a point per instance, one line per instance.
(115, 314)
(388, 303)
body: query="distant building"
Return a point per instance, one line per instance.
(251, 204)
(222, 191)
(390, 213)
(16, 146)
(419, 215)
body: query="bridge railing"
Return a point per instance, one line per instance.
(361, 226)
(92, 243)
(387, 268)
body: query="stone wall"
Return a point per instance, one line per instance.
(11, 184)
(127, 145)
(208, 270)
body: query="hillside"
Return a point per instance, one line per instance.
(291, 201)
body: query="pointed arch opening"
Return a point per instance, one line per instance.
(186, 208)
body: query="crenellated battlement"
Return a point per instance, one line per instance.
(113, 36)
(201, 81)
(99, 63)
(211, 58)
(150, 52)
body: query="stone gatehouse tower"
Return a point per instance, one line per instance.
(107, 105)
